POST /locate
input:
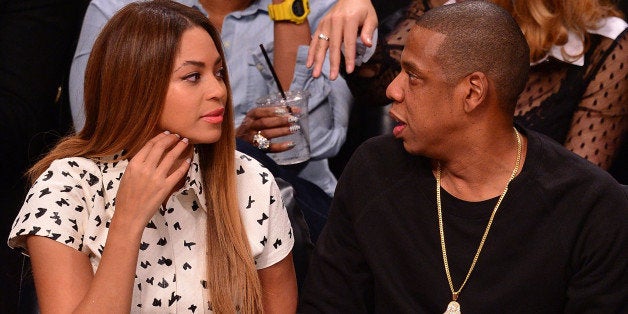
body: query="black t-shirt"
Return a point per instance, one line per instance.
(557, 243)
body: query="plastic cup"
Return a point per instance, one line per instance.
(296, 101)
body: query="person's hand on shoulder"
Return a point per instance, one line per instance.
(341, 25)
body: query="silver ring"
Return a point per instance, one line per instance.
(323, 37)
(261, 142)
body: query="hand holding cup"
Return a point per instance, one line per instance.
(270, 122)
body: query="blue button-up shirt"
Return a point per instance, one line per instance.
(250, 78)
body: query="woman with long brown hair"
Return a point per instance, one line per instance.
(149, 207)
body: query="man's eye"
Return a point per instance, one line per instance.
(411, 76)
(192, 77)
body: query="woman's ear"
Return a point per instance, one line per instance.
(476, 87)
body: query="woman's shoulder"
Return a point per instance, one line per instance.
(250, 172)
(71, 169)
(247, 162)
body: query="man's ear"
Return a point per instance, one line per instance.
(476, 87)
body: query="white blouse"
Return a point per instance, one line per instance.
(73, 202)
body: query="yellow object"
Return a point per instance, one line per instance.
(295, 11)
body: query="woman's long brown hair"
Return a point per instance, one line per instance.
(545, 22)
(126, 81)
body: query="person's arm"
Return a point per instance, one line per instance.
(328, 106)
(342, 25)
(63, 276)
(65, 282)
(339, 279)
(598, 280)
(96, 17)
(279, 287)
(599, 125)
(288, 37)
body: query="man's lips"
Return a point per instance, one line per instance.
(214, 116)
(399, 127)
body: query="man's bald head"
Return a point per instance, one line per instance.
(481, 36)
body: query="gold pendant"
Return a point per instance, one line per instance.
(452, 308)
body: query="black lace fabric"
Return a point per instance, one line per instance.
(584, 108)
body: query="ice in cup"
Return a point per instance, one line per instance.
(296, 102)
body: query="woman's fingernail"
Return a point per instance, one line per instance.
(295, 128)
(177, 135)
(167, 132)
(189, 160)
(290, 144)
(185, 140)
(293, 119)
(280, 111)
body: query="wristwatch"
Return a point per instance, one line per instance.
(295, 11)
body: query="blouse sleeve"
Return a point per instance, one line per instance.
(57, 205)
(263, 214)
(600, 120)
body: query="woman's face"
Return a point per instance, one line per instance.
(196, 97)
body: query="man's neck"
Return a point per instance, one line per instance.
(481, 170)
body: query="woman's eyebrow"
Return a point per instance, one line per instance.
(199, 64)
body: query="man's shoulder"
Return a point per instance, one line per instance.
(385, 155)
(555, 167)
(383, 142)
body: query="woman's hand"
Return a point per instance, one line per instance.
(341, 25)
(150, 178)
(270, 122)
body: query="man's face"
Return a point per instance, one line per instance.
(423, 98)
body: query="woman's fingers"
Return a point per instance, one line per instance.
(271, 133)
(158, 148)
(265, 112)
(170, 158)
(341, 25)
(145, 150)
(265, 118)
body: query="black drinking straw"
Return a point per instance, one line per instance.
(272, 70)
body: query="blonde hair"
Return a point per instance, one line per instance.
(126, 81)
(546, 22)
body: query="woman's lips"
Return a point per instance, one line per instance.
(214, 116)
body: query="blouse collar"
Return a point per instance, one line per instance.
(194, 180)
(610, 27)
(114, 166)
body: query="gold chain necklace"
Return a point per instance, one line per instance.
(453, 306)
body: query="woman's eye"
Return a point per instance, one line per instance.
(192, 77)
(220, 73)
